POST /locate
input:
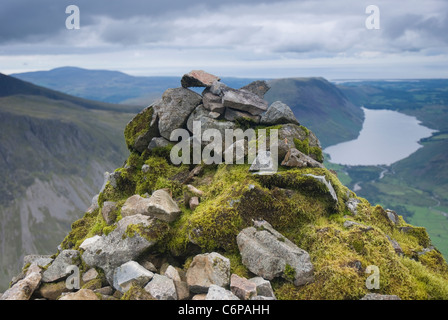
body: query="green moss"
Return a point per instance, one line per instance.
(93, 284)
(236, 265)
(432, 285)
(434, 261)
(140, 126)
(155, 232)
(289, 273)
(137, 293)
(316, 153)
(245, 123)
(80, 230)
(302, 145)
(306, 130)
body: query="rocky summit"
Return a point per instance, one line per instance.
(227, 230)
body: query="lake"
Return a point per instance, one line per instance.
(386, 137)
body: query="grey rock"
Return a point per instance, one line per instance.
(145, 168)
(242, 288)
(90, 275)
(58, 268)
(148, 265)
(395, 245)
(278, 113)
(203, 116)
(105, 291)
(109, 212)
(218, 88)
(392, 216)
(172, 273)
(214, 115)
(267, 253)
(199, 296)
(194, 190)
(244, 101)
(87, 242)
(352, 205)
(262, 298)
(219, 293)
(131, 273)
(94, 203)
(198, 78)
(174, 109)
(206, 270)
(349, 224)
(160, 205)
(263, 287)
(111, 251)
(161, 288)
(24, 289)
(193, 203)
(295, 158)
(212, 102)
(328, 184)
(40, 260)
(158, 142)
(83, 294)
(259, 87)
(286, 135)
(182, 290)
(377, 296)
(140, 142)
(234, 115)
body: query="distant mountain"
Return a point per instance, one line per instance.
(109, 86)
(316, 102)
(54, 149)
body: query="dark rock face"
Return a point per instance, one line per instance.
(198, 78)
(278, 113)
(259, 87)
(244, 101)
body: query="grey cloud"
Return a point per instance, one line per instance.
(28, 20)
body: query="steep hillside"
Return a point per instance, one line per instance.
(54, 150)
(211, 230)
(321, 106)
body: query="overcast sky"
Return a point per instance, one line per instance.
(244, 38)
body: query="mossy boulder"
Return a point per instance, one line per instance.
(141, 129)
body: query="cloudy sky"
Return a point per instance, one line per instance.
(246, 38)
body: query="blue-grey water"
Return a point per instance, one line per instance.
(386, 137)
